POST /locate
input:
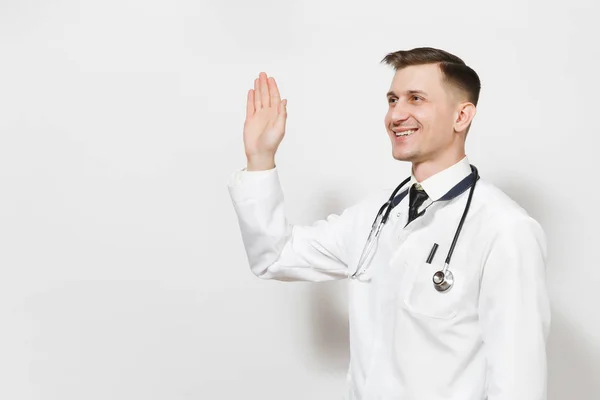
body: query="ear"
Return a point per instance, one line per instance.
(465, 113)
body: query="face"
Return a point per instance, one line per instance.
(423, 115)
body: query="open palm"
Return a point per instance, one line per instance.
(266, 114)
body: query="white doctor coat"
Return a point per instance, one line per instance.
(483, 339)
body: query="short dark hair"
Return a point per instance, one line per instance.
(454, 70)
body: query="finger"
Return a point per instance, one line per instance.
(257, 102)
(274, 92)
(264, 90)
(250, 104)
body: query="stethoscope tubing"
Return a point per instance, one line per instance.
(447, 279)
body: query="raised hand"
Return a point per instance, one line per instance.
(264, 127)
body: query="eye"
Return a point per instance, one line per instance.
(391, 99)
(417, 98)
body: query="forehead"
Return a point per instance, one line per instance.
(427, 78)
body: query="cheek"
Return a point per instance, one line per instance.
(422, 116)
(435, 118)
(445, 115)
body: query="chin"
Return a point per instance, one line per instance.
(403, 156)
(404, 150)
(402, 153)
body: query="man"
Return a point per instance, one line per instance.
(484, 337)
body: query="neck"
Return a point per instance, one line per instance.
(424, 169)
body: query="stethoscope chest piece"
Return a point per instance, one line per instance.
(443, 280)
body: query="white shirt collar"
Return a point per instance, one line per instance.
(439, 184)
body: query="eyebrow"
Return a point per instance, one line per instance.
(409, 92)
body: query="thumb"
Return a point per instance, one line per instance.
(282, 114)
(283, 107)
(282, 110)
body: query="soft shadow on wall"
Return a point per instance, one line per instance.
(327, 306)
(573, 362)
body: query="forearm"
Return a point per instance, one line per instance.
(275, 248)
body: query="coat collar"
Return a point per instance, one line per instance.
(439, 184)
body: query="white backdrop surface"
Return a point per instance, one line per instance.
(122, 271)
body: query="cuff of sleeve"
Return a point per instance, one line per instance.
(244, 185)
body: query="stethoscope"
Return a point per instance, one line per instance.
(443, 280)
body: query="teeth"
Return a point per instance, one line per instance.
(406, 133)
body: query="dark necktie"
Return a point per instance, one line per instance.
(416, 197)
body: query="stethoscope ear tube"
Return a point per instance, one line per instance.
(378, 223)
(462, 219)
(444, 280)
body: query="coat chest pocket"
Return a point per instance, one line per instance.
(421, 297)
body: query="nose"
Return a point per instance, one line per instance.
(398, 114)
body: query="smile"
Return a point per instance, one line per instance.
(405, 133)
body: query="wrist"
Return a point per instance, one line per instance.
(260, 163)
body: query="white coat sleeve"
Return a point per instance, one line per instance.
(277, 249)
(514, 311)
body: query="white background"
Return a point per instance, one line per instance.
(122, 271)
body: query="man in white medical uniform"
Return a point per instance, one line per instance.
(479, 334)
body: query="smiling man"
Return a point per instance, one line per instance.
(449, 299)
(437, 104)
